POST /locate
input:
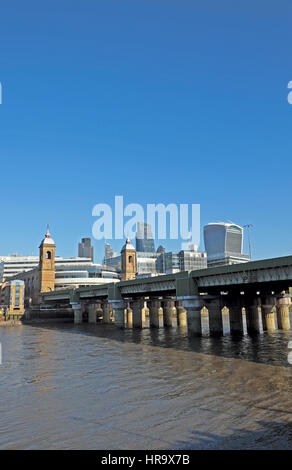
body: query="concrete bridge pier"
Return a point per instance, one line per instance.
(92, 312)
(283, 312)
(146, 309)
(139, 320)
(193, 304)
(155, 313)
(268, 303)
(129, 316)
(125, 317)
(214, 306)
(112, 314)
(99, 311)
(106, 313)
(251, 304)
(181, 314)
(168, 311)
(77, 308)
(119, 309)
(235, 314)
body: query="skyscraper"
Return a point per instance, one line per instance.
(85, 250)
(144, 238)
(109, 252)
(224, 244)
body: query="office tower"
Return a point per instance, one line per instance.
(192, 259)
(144, 238)
(224, 244)
(109, 253)
(85, 250)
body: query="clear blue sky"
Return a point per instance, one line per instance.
(157, 100)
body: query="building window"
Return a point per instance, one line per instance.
(48, 255)
(130, 259)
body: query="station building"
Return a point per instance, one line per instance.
(52, 273)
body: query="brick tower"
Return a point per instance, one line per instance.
(128, 258)
(47, 263)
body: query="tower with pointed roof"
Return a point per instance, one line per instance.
(128, 261)
(47, 263)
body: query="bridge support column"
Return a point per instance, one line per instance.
(193, 305)
(77, 307)
(99, 311)
(112, 314)
(129, 316)
(146, 309)
(235, 314)
(92, 311)
(214, 306)
(268, 303)
(251, 305)
(168, 311)
(283, 312)
(106, 313)
(125, 317)
(181, 314)
(139, 320)
(156, 312)
(119, 308)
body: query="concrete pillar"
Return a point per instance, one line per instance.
(251, 305)
(235, 314)
(193, 304)
(119, 309)
(99, 311)
(139, 320)
(112, 314)
(214, 306)
(168, 311)
(155, 313)
(283, 311)
(92, 313)
(106, 313)
(268, 302)
(77, 307)
(146, 309)
(129, 316)
(181, 314)
(125, 317)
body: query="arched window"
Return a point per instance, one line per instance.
(130, 259)
(48, 255)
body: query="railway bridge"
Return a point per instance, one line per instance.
(260, 287)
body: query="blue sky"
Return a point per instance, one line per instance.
(155, 100)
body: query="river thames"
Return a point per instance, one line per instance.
(98, 387)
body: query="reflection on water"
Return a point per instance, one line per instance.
(95, 386)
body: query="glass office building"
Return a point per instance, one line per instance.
(85, 249)
(192, 260)
(224, 244)
(172, 262)
(109, 253)
(144, 238)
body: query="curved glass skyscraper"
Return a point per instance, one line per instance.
(224, 244)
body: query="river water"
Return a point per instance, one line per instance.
(98, 387)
